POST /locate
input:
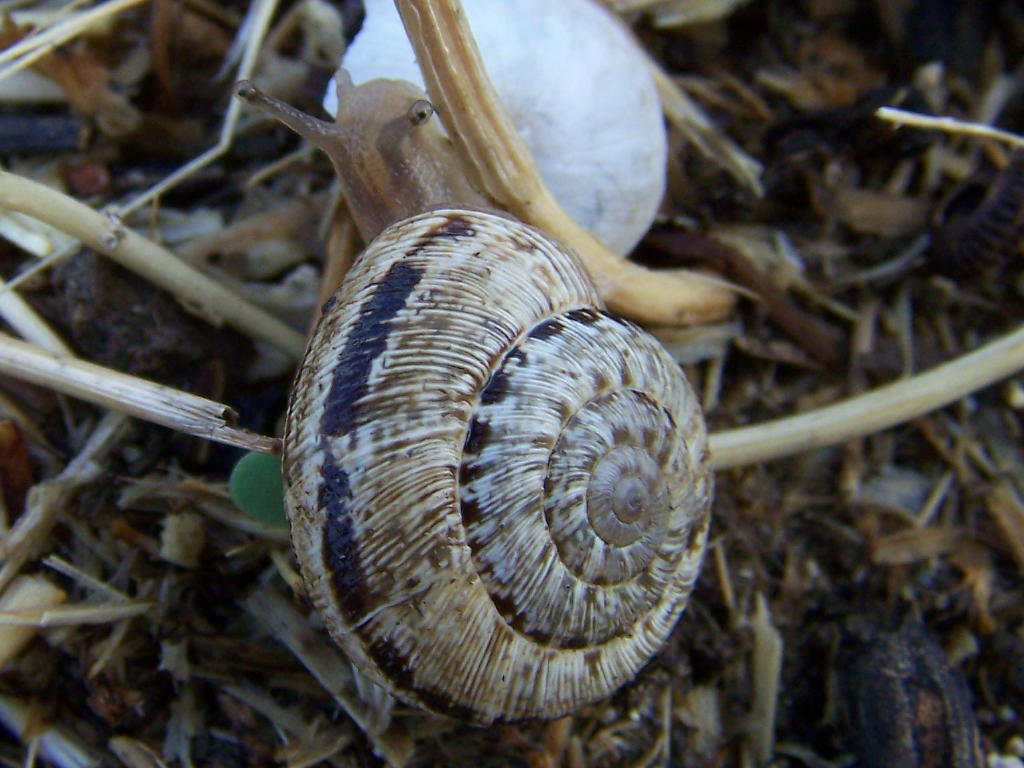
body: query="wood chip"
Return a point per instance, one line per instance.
(915, 545)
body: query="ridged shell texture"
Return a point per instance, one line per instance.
(498, 492)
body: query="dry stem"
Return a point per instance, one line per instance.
(20, 315)
(948, 125)
(30, 533)
(256, 26)
(170, 407)
(501, 166)
(57, 743)
(879, 409)
(705, 137)
(156, 264)
(44, 41)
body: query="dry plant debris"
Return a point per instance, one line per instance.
(144, 621)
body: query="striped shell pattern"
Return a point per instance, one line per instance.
(498, 493)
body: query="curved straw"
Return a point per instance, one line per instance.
(884, 407)
(500, 164)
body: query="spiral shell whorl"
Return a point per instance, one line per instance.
(498, 493)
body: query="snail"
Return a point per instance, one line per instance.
(578, 89)
(498, 493)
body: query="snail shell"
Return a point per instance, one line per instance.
(578, 89)
(498, 493)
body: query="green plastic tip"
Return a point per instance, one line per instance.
(256, 488)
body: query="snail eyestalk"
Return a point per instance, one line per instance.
(318, 132)
(391, 160)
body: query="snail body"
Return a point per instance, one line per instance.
(498, 493)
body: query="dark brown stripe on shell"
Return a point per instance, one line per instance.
(351, 373)
(398, 670)
(341, 547)
(601, 382)
(438, 702)
(329, 305)
(553, 326)
(585, 316)
(496, 388)
(477, 434)
(471, 511)
(505, 606)
(548, 329)
(510, 613)
(454, 226)
(521, 243)
(391, 662)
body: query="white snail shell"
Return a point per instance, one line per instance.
(578, 90)
(498, 494)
